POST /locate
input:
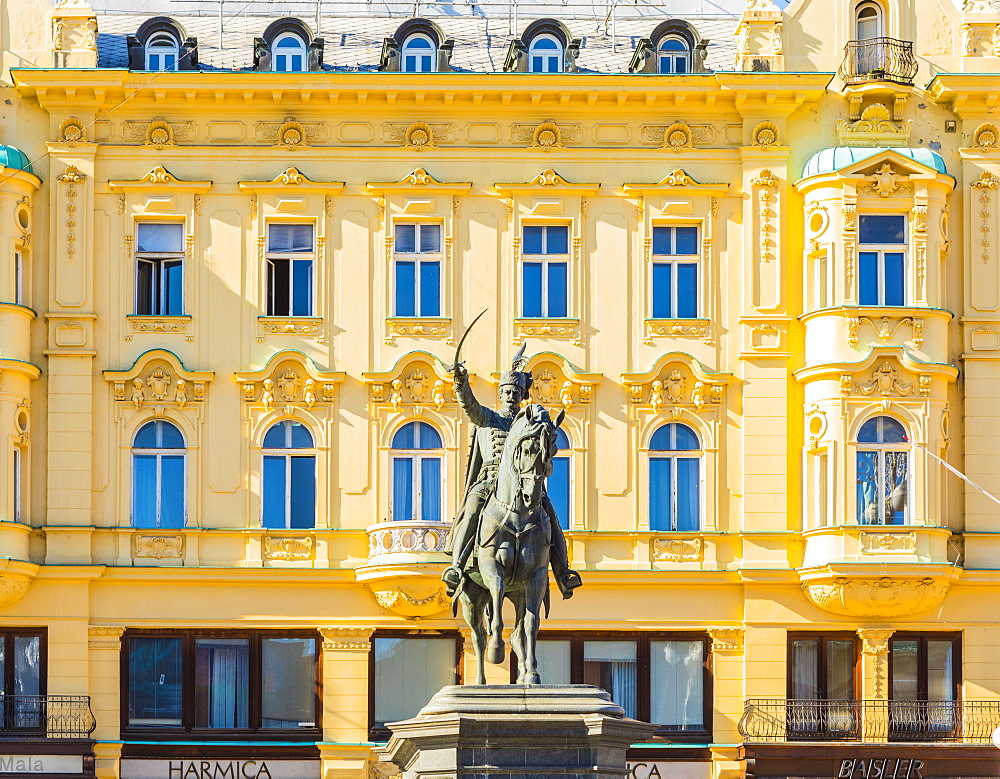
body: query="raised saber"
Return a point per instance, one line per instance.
(458, 349)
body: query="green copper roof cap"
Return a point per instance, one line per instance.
(12, 157)
(837, 157)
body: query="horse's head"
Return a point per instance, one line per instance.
(531, 445)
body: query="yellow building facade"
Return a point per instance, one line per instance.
(751, 254)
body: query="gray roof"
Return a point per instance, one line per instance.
(354, 31)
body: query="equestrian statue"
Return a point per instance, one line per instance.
(507, 532)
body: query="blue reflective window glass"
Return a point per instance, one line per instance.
(430, 238)
(532, 239)
(686, 240)
(274, 489)
(301, 438)
(406, 288)
(660, 493)
(430, 489)
(302, 288)
(402, 489)
(173, 288)
(155, 682)
(157, 237)
(427, 437)
(147, 438)
(274, 438)
(289, 238)
(303, 492)
(674, 437)
(562, 440)
(557, 239)
(882, 430)
(406, 238)
(557, 487)
(868, 278)
(558, 302)
(881, 228)
(688, 494)
(894, 278)
(406, 437)
(663, 290)
(687, 290)
(144, 490)
(430, 289)
(531, 306)
(171, 491)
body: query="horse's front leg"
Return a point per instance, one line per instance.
(534, 592)
(494, 582)
(474, 610)
(517, 638)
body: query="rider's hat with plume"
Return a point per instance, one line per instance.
(515, 375)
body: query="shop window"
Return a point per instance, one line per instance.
(417, 269)
(418, 54)
(662, 678)
(924, 680)
(545, 271)
(290, 258)
(407, 670)
(674, 56)
(289, 54)
(288, 492)
(417, 455)
(674, 479)
(22, 669)
(256, 681)
(545, 55)
(882, 472)
(882, 259)
(159, 269)
(162, 52)
(675, 272)
(558, 483)
(822, 674)
(158, 476)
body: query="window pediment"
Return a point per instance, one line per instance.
(158, 179)
(418, 380)
(289, 379)
(158, 377)
(677, 381)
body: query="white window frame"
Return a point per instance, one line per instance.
(882, 249)
(674, 455)
(416, 474)
(160, 259)
(672, 55)
(408, 50)
(287, 453)
(287, 54)
(418, 257)
(879, 20)
(160, 453)
(546, 54)
(882, 449)
(157, 47)
(675, 260)
(292, 257)
(546, 260)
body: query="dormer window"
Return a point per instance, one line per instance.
(162, 52)
(418, 54)
(545, 55)
(674, 56)
(289, 54)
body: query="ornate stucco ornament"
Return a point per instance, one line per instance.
(677, 137)
(877, 597)
(986, 137)
(765, 135)
(547, 136)
(885, 179)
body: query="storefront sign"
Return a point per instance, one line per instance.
(656, 769)
(220, 769)
(41, 764)
(881, 768)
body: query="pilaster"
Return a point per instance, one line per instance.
(875, 665)
(728, 680)
(104, 644)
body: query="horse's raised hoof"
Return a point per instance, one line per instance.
(532, 679)
(495, 652)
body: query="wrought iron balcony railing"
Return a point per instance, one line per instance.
(45, 716)
(878, 59)
(781, 720)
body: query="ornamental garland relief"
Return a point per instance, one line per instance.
(552, 389)
(158, 385)
(881, 598)
(291, 134)
(158, 547)
(674, 389)
(288, 549)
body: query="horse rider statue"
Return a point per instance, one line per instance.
(488, 439)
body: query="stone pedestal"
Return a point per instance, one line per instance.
(508, 731)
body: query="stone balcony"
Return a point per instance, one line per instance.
(405, 561)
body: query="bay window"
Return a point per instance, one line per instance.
(882, 259)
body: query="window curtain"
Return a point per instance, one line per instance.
(613, 665)
(660, 473)
(677, 682)
(430, 489)
(223, 668)
(171, 491)
(303, 495)
(557, 487)
(144, 490)
(402, 489)
(408, 671)
(688, 494)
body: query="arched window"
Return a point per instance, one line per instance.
(288, 492)
(418, 54)
(883, 475)
(161, 52)
(158, 488)
(674, 479)
(674, 56)
(558, 484)
(545, 55)
(416, 473)
(288, 54)
(869, 21)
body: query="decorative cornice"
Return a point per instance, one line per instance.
(105, 637)
(336, 639)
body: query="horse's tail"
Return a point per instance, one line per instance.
(545, 598)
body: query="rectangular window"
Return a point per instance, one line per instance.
(22, 670)
(545, 271)
(290, 259)
(675, 273)
(882, 260)
(655, 677)
(16, 492)
(822, 674)
(406, 671)
(18, 278)
(215, 683)
(924, 680)
(159, 269)
(417, 263)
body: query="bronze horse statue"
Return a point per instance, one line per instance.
(511, 557)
